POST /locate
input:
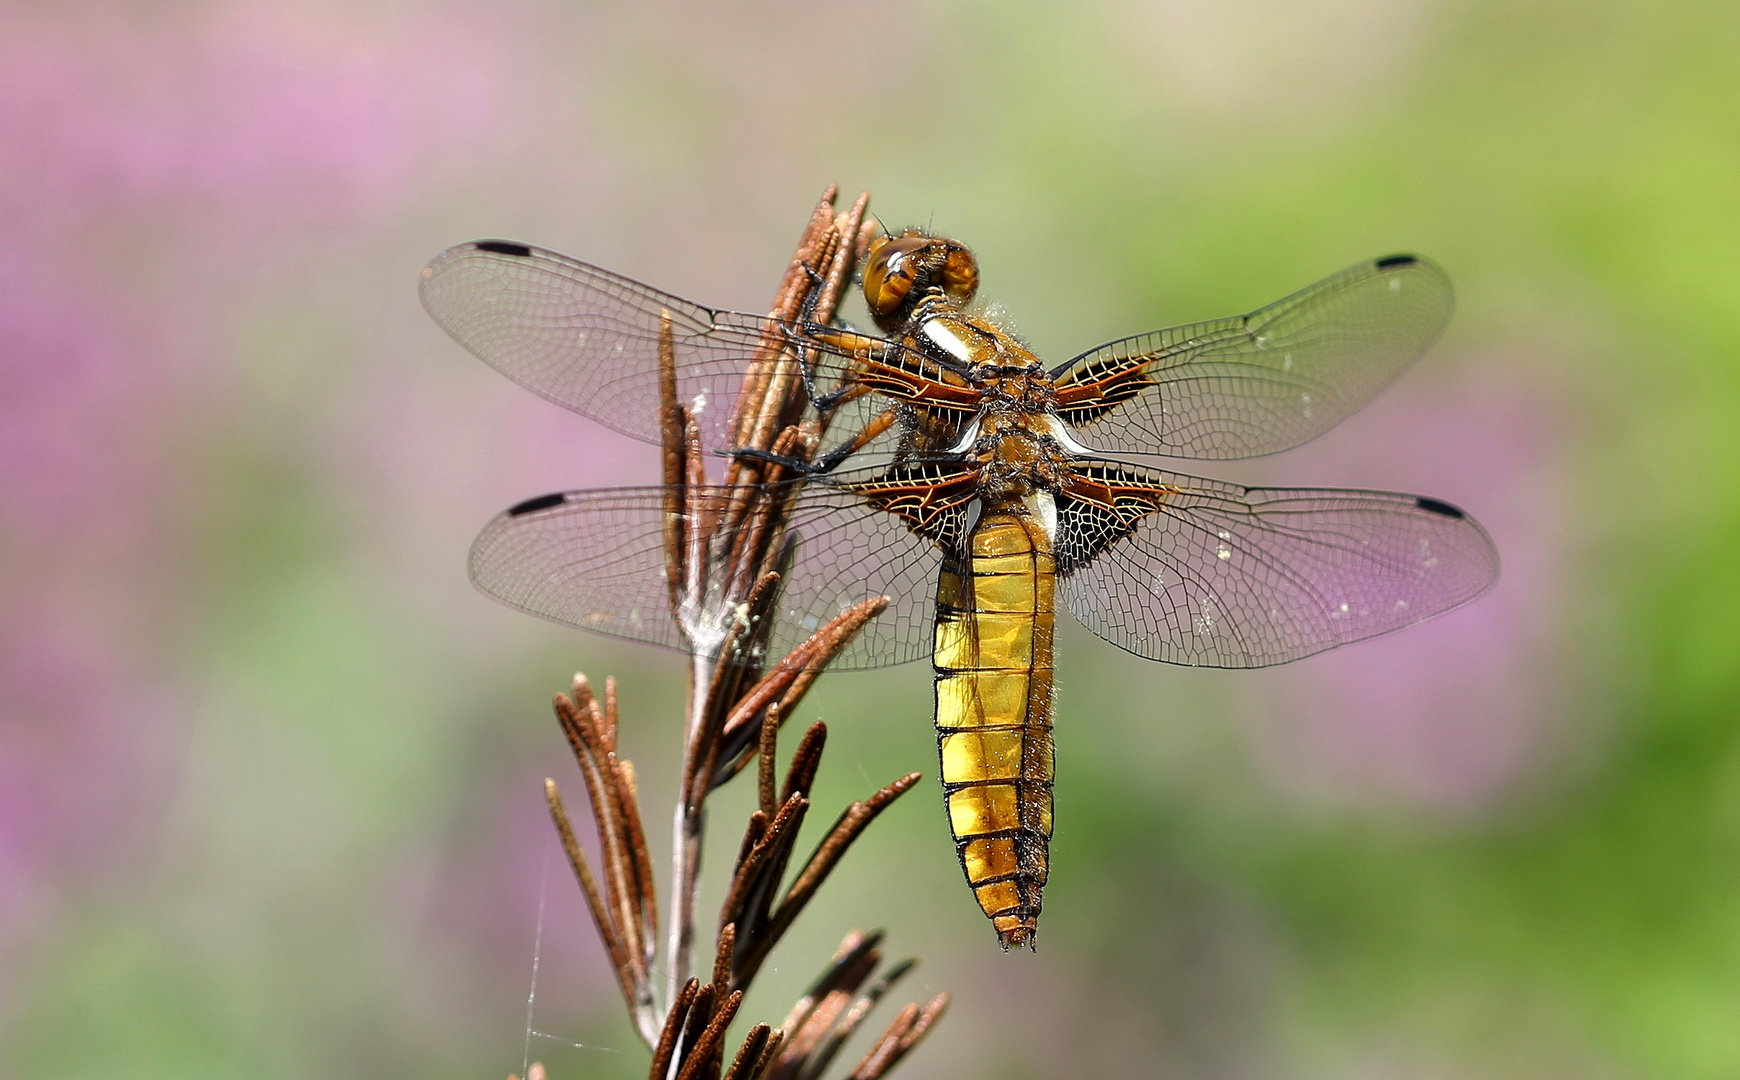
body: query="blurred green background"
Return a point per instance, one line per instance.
(270, 770)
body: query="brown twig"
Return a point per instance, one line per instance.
(913, 1024)
(731, 558)
(787, 684)
(727, 551)
(624, 909)
(827, 1015)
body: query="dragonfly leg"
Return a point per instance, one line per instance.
(831, 460)
(826, 402)
(867, 435)
(858, 349)
(839, 339)
(793, 464)
(810, 330)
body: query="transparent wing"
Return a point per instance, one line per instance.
(588, 339)
(1200, 572)
(595, 560)
(1258, 383)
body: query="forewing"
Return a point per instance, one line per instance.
(588, 339)
(1200, 572)
(595, 560)
(1258, 383)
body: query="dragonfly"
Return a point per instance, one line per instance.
(980, 489)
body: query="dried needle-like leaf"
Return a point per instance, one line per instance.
(744, 1065)
(787, 683)
(805, 760)
(767, 752)
(706, 1049)
(666, 1048)
(607, 930)
(824, 1055)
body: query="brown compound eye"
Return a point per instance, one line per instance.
(890, 270)
(960, 273)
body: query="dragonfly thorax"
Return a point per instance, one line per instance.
(1017, 457)
(973, 346)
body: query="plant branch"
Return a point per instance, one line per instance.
(727, 550)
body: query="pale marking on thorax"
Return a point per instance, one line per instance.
(947, 340)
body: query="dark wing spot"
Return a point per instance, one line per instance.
(1390, 262)
(544, 502)
(1436, 506)
(503, 247)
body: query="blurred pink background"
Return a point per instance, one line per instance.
(270, 770)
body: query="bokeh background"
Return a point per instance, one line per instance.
(270, 769)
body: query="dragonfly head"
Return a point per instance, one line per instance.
(899, 271)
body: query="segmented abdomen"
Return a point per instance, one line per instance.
(993, 659)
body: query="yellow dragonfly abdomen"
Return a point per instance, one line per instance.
(993, 658)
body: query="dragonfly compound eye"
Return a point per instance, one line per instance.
(960, 272)
(890, 270)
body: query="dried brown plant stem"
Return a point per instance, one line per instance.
(624, 910)
(726, 551)
(771, 401)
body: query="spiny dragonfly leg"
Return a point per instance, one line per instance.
(866, 435)
(839, 339)
(809, 330)
(827, 462)
(784, 461)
